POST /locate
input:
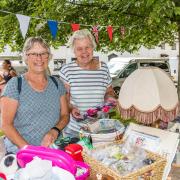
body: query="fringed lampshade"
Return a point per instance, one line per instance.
(148, 95)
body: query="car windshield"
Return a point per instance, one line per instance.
(115, 68)
(161, 65)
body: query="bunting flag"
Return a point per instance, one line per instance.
(24, 23)
(40, 25)
(53, 26)
(96, 33)
(122, 31)
(75, 27)
(110, 32)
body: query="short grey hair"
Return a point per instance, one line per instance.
(81, 34)
(29, 44)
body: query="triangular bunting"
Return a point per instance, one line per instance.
(110, 32)
(95, 32)
(75, 27)
(122, 31)
(24, 23)
(53, 26)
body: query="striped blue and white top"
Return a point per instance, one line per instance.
(87, 87)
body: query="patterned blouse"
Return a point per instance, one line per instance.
(37, 112)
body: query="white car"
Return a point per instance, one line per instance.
(124, 71)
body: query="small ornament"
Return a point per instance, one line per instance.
(105, 108)
(148, 161)
(75, 151)
(95, 31)
(99, 176)
(122, 30)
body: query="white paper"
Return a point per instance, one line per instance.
(145, 141)
(168, 142)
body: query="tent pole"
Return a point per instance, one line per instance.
(178, 88)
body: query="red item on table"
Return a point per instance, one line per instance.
(2, 176)
(74, 150)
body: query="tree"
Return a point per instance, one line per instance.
(177, 19)
(146, 22)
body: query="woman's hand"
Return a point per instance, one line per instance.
(110, 96)
(111, 99)
(49, 138)
(76, 113)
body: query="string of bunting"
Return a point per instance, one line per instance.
(53, 26)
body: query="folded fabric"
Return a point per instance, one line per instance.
(37, 169)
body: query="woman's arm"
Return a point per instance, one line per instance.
(2, 81)
(52, 135)
(64, 119)
(110, 95)
(1, 78)
(13, 73)
(72, 109)
(8, 111)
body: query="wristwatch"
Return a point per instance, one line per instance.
(57, 129)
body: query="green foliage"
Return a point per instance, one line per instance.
(116, 115)
(146, 22)
(177, 10)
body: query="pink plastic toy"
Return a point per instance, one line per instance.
(84, 168)
(58, 157)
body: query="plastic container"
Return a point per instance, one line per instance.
(58, 157)
(74, 150)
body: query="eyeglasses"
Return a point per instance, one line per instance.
(43, 55)
(81, 49)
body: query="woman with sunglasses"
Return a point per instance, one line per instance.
(37, 114)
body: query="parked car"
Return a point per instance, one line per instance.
(173, 61)
(116, 64)
(124, 71)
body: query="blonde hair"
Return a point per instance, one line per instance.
(81, 34)
(29, 44)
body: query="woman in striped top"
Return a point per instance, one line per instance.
(86, 79)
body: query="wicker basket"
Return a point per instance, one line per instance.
(149, 172)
